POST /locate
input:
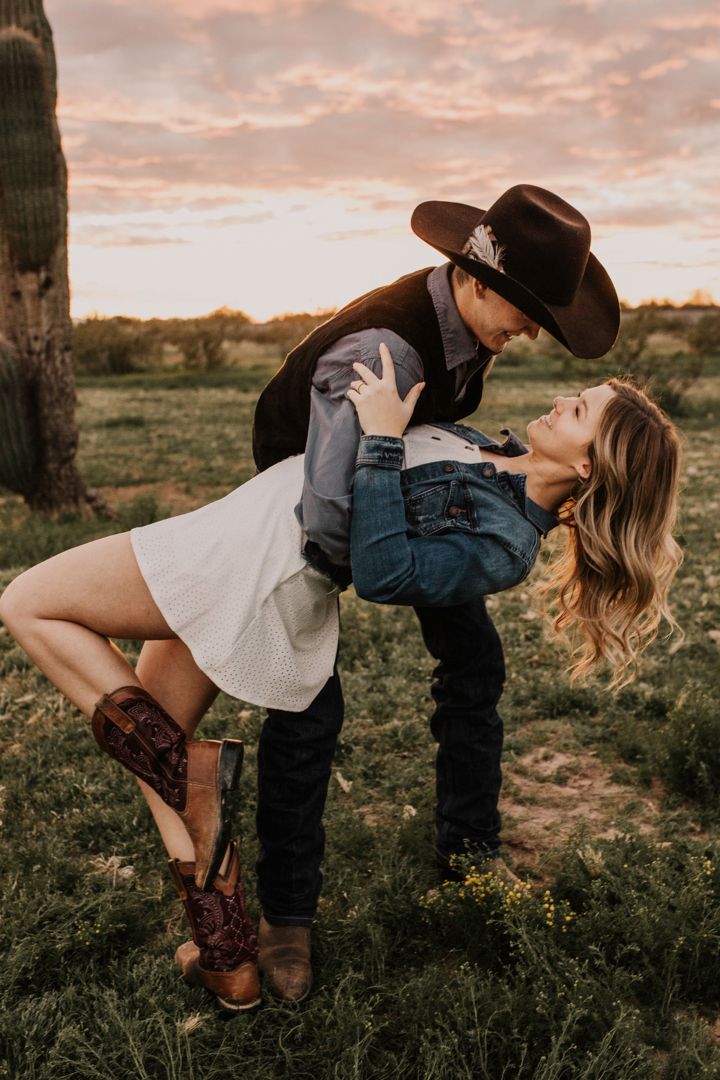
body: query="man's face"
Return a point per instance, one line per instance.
(494, 321)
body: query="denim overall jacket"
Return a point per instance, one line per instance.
(443, 533)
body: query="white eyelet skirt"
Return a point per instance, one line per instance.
(231, 582)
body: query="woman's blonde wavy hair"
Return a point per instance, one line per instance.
(608, 590)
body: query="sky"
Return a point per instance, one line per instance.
(266, 155)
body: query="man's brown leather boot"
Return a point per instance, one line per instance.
(222, 957)
(192, 776)
(284, 959)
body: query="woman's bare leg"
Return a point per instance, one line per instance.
(63, 612)
(166, 669)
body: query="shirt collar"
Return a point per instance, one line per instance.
(542, 519)
(458, 343)
(511, 447)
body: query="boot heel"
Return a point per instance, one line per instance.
(230, 764)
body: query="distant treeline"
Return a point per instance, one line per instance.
(120, 344)
(227, 338)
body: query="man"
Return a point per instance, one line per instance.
(523, 264)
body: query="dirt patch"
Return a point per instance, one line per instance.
(548, 794)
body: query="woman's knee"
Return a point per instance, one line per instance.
(97, 585)
(21, 602)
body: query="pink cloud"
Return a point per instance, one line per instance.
(162, 100)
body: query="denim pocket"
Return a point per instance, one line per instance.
(438, 508)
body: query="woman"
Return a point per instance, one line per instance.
(224, 598)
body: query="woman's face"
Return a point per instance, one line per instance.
(564, 434)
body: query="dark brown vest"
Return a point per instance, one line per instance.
(282, 415)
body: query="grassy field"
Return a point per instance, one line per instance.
(607, 966)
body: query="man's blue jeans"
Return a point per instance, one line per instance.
(296, 751)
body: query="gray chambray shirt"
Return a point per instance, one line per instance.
(334, 432)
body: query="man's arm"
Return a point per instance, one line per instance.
(334, 434)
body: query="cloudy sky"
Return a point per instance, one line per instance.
(266, 154)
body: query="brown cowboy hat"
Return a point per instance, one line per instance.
(540, 248)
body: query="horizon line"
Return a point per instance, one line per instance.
(625, 305)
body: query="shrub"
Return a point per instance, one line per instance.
(200, 341)
(689, 748)
(705, 334)
(112, 346)
(608, 953)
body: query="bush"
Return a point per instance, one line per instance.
(287, 331)
(705, 334)
(200, 341)
(689, 748)
(112, 346)
(605, 956)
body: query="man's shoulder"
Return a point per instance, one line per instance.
(364, 346)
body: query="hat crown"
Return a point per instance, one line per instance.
(546, 241)
(540, 262)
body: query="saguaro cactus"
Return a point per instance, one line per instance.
(17, 428)
(37, 449)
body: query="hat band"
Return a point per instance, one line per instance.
(482, 246)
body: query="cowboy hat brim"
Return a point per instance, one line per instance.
(587, 326)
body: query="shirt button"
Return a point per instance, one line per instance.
(447, 467)
(488, 470)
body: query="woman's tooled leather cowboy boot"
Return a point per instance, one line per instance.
(222, 957)
(192, 776)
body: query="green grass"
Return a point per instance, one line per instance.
(610, 803)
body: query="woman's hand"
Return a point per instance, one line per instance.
(380, 409)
